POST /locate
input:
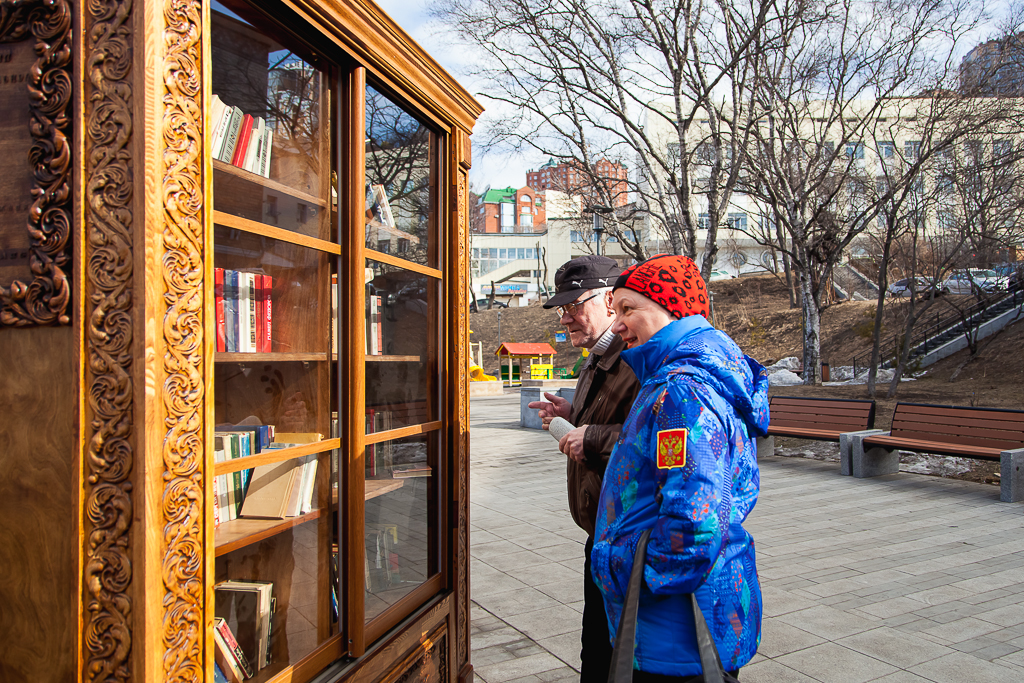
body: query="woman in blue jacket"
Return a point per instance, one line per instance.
(685, 466)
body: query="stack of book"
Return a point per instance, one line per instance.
(382, 564)
(239, 139)
(243, 304)
(274, 491)
(242, 627)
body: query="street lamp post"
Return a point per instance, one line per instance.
(598, 210)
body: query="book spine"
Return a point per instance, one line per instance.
(216, 121)
(242, 314)
(379, 329)
(371, 449)
(236, 649)
(218, 298)
(268, 313)
(235, 443)
(231, 310)
(225, 659)
(216, 503)
(254, 319)
(222, 134)
(244, 134)
(260, 321)
(255, 145)
(231, 136)
(268, 145)
(374, 349)
(334, 314)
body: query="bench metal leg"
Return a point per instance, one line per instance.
(846, 449)
(765, 446)
(873, 462)
(1011, 476)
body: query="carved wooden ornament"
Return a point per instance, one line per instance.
(42, 298)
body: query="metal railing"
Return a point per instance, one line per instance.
(925, 337)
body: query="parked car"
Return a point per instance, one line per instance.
(974, 280)
(720, 275)
(922, 286)
(481, 305)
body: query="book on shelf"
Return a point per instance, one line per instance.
(218, 310)
(374, 326)
(218, 674)
(411, 471)
(221, 628)
(268, 146)
(221, 118)
(247, 608)
(244, 135)
(225, 659)
(252, 154)
(227, 150)
(246, 324)
(334, 313)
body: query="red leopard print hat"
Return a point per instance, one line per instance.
(672, 281)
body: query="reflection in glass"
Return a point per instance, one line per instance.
(277, 174)
(401, 344)
(286, 560)
(294, 300)
(401, 490)
(401, 178)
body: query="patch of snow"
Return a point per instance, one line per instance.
(783, 378)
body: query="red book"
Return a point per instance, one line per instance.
(218, 300)
(268, 307)
(244, 136)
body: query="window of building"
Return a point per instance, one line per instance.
(829, 147)
(526, 220)
(384, 246)
(403, 245)
(912, 149)
(855, 150)
(1001, 148)
(737, 221)
(576, 236)
(704, 221)
(526, 199)
(886, 150)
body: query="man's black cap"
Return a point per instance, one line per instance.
(580, 274)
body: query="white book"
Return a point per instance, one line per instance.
(244, 321)
(252, 154)
(222, 484)
(216, 119)
(309, 485)
(220, 133)
(268, 146)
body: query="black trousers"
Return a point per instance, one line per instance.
(596, 653)
(643, 677)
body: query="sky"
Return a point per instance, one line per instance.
(491, 169)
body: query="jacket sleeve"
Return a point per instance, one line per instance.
(598, 442)
(692, 500)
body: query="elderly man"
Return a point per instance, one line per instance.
(604, 394)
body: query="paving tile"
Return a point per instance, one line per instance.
(826, 622)
(566, 647)
(894, 647)
(501, 672)
(544, 623)
(770, 671)
(963, 668)
(962, 629)
(833, 663)
(779, 638)
(516, 601)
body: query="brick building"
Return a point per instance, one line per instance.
(509, 210)
(994, 68)
(569, 178)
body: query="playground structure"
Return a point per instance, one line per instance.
(476, 373)
(514, 354)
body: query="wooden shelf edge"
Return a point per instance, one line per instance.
(242, 357)
(385, 359)
(229, 220)
(277, 455)
(245, 531)
(249, 176)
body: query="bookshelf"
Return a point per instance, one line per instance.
(200, 406)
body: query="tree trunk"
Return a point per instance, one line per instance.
(812, 325)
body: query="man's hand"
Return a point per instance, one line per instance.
(572, 444)
(559, 407)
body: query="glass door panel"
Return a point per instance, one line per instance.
(401, 518)
(401, 182)
(268, 127)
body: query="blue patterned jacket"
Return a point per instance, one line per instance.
(692, 377)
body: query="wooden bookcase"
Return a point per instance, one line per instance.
(307, 298)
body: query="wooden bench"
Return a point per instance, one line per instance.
(820, 419)
(960, 431)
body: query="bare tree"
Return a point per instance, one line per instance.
(575, 80)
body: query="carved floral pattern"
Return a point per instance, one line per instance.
(44, 300)
(107, 575)
(184, 386)
(462, 639)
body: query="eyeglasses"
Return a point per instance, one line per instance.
(572, 308)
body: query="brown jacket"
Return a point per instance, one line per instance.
(604, 394)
